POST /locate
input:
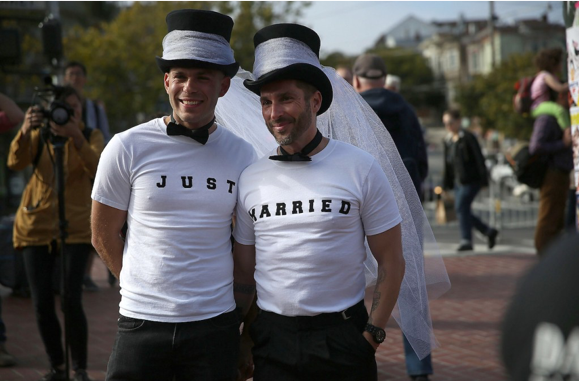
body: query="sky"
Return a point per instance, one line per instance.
(353, 26)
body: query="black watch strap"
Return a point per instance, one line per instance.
(378, 334)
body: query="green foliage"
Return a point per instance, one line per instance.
(490, 97)
(120, 54)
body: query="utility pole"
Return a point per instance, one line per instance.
(492, 32)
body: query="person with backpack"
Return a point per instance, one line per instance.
(36, 224)
(465, 172)
(546, 86)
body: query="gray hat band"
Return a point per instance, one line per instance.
(191, 45)
(282, 52)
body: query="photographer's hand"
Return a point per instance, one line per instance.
(69, 130)
(32, 119)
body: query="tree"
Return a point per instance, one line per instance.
(490, 97)
(120, 54)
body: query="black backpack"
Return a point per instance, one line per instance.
(529, 169)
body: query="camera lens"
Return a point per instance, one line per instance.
(59, 115)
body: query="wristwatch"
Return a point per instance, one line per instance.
(378, 334)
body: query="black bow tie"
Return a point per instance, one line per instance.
(299, 156)
(200, 134)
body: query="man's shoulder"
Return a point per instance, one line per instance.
(347, 152)
(228, 134)
(151, 126)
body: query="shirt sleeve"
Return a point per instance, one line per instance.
(243, 231)
(379, 210)
(112, 185)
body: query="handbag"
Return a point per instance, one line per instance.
(444, 211)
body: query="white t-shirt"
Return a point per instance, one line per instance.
(308, 221)
(180, 196)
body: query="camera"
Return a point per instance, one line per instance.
(53, 109)
(58, 112)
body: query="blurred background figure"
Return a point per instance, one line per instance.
(402, 124)
(546, 87)
(393, 83)
(540, 333)
(465, 171)
(552, 144)
(93, 116)
(37, 223)
(10, 116)
(345, 72)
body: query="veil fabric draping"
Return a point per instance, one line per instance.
(350, 119)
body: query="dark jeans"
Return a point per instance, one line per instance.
(415, 366)
(306, 348)
(464, 195)
(205, 350)
(39, 263)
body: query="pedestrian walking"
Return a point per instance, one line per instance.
(174, 181)
(465, 172)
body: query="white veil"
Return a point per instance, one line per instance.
(350, 119)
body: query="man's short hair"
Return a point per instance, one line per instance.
(454, 113)
(369, 66)
(76, 64)
(66, 91)
(307, 88)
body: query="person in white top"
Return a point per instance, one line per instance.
(303, 216)
(174, 181)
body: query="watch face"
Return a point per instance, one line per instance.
(379, 335)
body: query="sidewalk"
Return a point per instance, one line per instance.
(466, 320)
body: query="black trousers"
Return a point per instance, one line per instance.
(205, 350)
(303, 348)
(40, 263)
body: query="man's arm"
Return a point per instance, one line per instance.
(243, 281)
(387, 249)
(106, 224)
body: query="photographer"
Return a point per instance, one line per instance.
(36, 226)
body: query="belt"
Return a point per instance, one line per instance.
(321, 320)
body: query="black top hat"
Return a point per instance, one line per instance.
(178, 53)
(302, 71)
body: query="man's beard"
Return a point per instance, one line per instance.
(301, 124)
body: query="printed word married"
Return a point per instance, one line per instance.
(187, 182)
(298, 207)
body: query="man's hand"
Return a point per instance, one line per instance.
(370, 339)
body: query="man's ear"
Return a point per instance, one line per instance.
(225, 83)
(166, 82)
(316, 100)
(356, 82)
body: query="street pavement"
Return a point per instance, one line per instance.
(466, 319)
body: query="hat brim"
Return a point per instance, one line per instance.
(166, 65)
(302, 72)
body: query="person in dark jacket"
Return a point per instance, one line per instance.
(402, 123)
(395, 113)
(466, 173)
(550, 141)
